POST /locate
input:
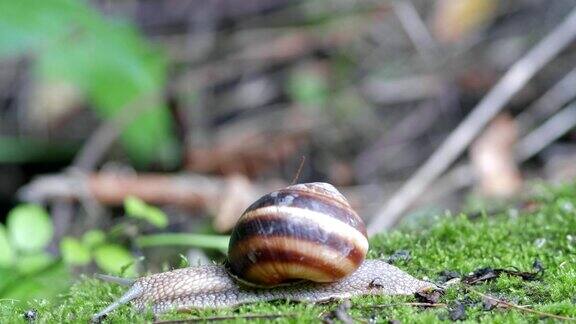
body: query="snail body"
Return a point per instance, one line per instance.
(302, 243)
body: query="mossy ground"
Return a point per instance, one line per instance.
(513, 238)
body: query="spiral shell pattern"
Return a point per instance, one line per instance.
(305, 231)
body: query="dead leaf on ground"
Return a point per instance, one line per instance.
(455, 20)
(493, 160)
(447, 275)
(457, 312)
(400, 255)
(489, 304)
(238, 194)
(430, 296)
(339, 314)
(51, 102)
(486, 274)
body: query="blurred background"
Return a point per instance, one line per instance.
(134, 133)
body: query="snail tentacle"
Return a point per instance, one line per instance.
(133, 293)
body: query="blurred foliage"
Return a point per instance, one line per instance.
(93, 238)
(6, 252)
(26, 269)
(20, 150)
(74, 252)
(308, 88)
(114, 258)
(106, 59)
(136, 208)
(205, 241)
(30, 228)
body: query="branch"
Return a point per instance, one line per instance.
(111, 189)
(551, 130)
(555, 98)
(416, 30)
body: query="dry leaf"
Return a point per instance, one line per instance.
(236, 197)
(456, 19)
(493, 159)
(51, 101)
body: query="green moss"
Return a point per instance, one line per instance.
(514, 238)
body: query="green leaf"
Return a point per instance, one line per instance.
(22, 149)
(42, 285)
(6, 252)
(184, 262)
(26, 25)
(306, 87)
(109, 61)
(7, 277)
(29, 227)
(113, 257)
(73, 252)
(136, 208)
(32, 263)
(93, 238)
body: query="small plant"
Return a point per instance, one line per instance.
(26, 269)
(110, 256)
(94, 246)
(105, 250)
(138, 209)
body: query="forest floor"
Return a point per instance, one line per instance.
(530, 250)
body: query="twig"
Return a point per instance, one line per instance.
(547, 133)
(224, 198)
(512, 82)
(521, 308)
(225, 318)
(402, 90)
(552, 100)
(101, 140)
(372, 159)
(416, 29)
(297, 175)
(414, 304)
(111, 189)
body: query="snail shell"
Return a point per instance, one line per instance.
(305, 231)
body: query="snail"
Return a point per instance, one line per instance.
(301, 243)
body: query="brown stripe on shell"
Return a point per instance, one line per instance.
(281, 225)
(311, 201)
(320, 188)
(312, 190)
(281, 259)
(291, 269)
